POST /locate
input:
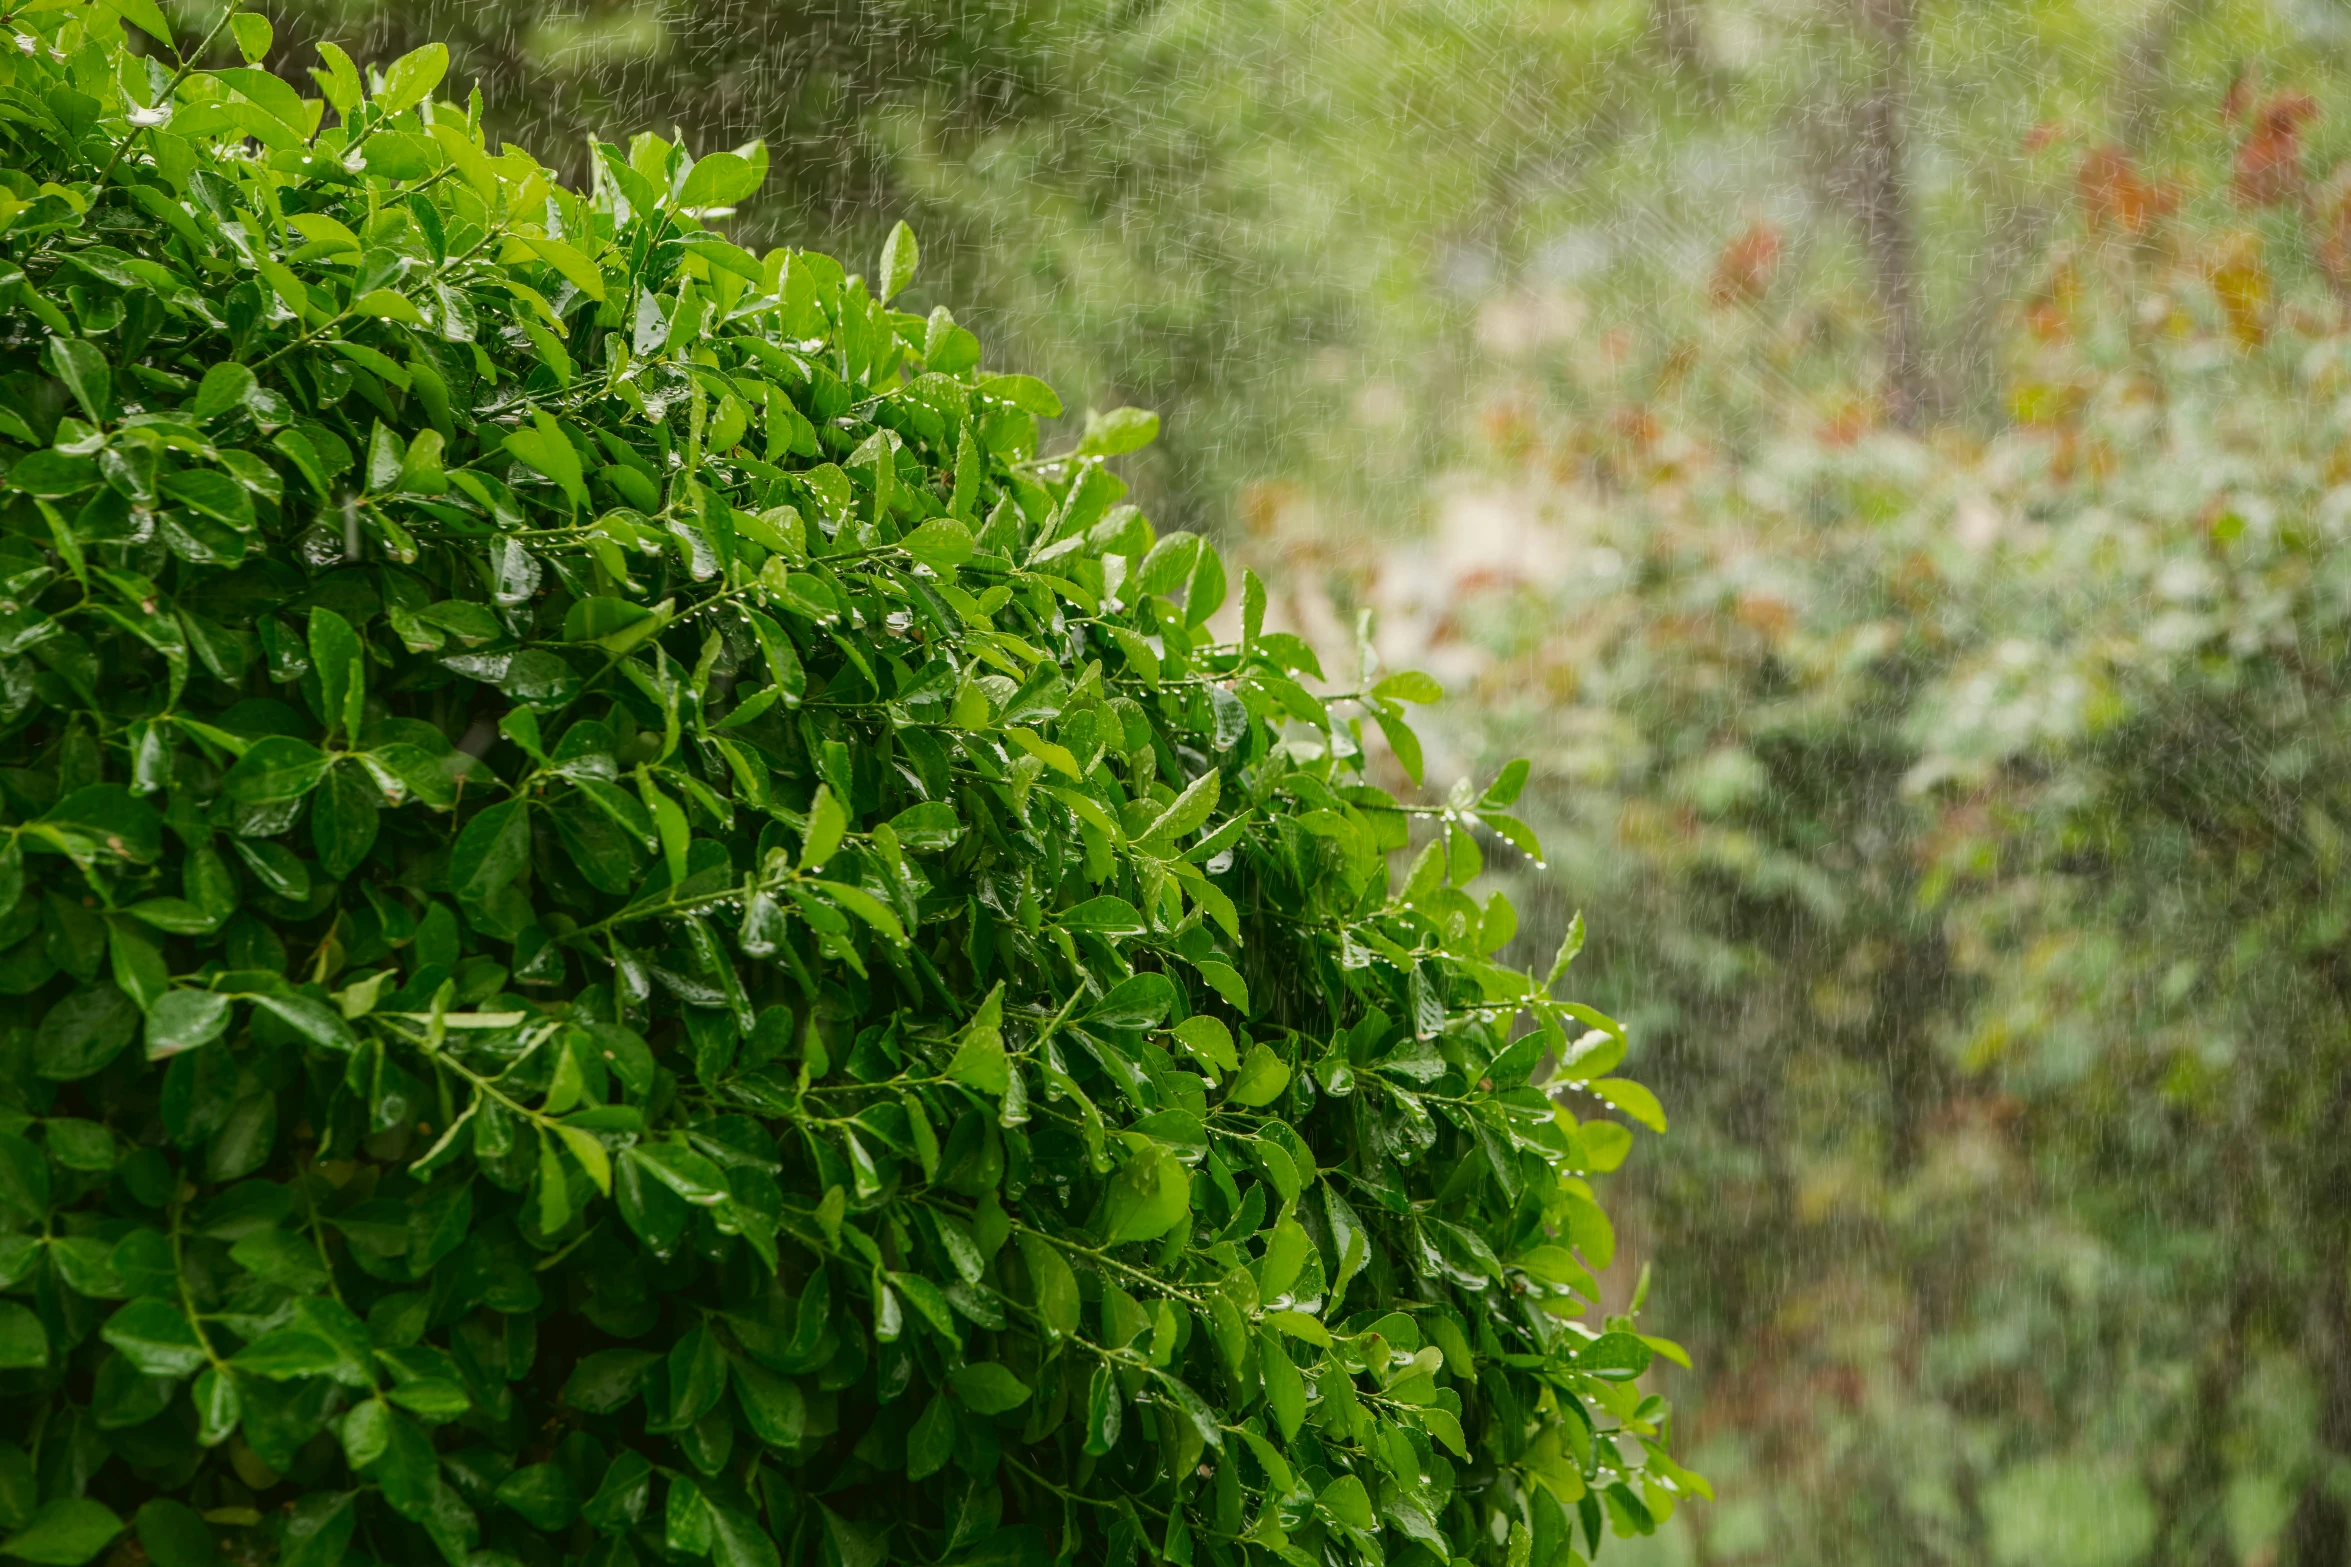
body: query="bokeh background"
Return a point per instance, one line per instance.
(1888, 462)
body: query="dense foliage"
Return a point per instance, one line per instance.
(635, 930)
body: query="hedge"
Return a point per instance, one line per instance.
(638, 931)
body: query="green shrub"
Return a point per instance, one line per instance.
(643, 935)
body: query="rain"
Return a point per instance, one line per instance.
(1887, 463)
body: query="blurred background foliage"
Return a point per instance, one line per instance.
(1889, 463)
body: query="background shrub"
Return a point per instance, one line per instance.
(642, 933)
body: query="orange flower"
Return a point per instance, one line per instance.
(1746, 266)
(2113, 194)
(2269, 164)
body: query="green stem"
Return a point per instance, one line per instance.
(187, 64)
(179, 1269)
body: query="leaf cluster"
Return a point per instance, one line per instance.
(638, 932)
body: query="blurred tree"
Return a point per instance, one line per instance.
(1679, 27)
(1980, 807)
(808, 76)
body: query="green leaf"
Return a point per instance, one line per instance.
(336, 655)
(866, 907)
(411, 77)
(1346, 1501)
(273, 97)
(1226, 981)
(1261, 1078)
(1024, 392)
(344, 820)
(941, 544)
(980, 1062)
(1617, 1356)
(544, 1494)
(1138, 1001)
(1401, 740)
(288, 1354)
(80, 1145)
(606, 1381)
(1209, 1042)
(319, 1529)
(543, 446)
(1054, 1284)
(1285, 1390)
(1104, 1399)
(568, 261)
(209, 494)
(1150, 1195)
(148, 17)
(24, 1342)
(276, 867)
(83, 1032)
(225, 386)
(435, 1398)
(1299, 1325)
(738, 1540)
(899, 256)
(926, 1298)
(591, 1153)
(1269, 1458)
(723, 179)
(1118, 432)
(1445, 1426)
(315, 1020)
(1186, 813)
(276, 1257)
(174, 1534)
(1633, 1099)
(1106, 916)
(1285, 1254)
(773, 1406)
(1507, 785)
(932, 1440)
(827, 823)
(81, 365)
(24, 1179)
(254, 36)
(1169, 564)
(1606, 1144)
(103, 821)
(1409, 686)
(276, 768)
(383, 304)
(1571, 943)
(929, 827)
(683, 1171)
(621, 1496)
(988, 1388)
(1556, 1265)
(65, 1533)
(492, 851)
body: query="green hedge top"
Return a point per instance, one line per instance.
(641, 934)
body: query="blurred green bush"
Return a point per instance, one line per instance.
(1972, 813)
